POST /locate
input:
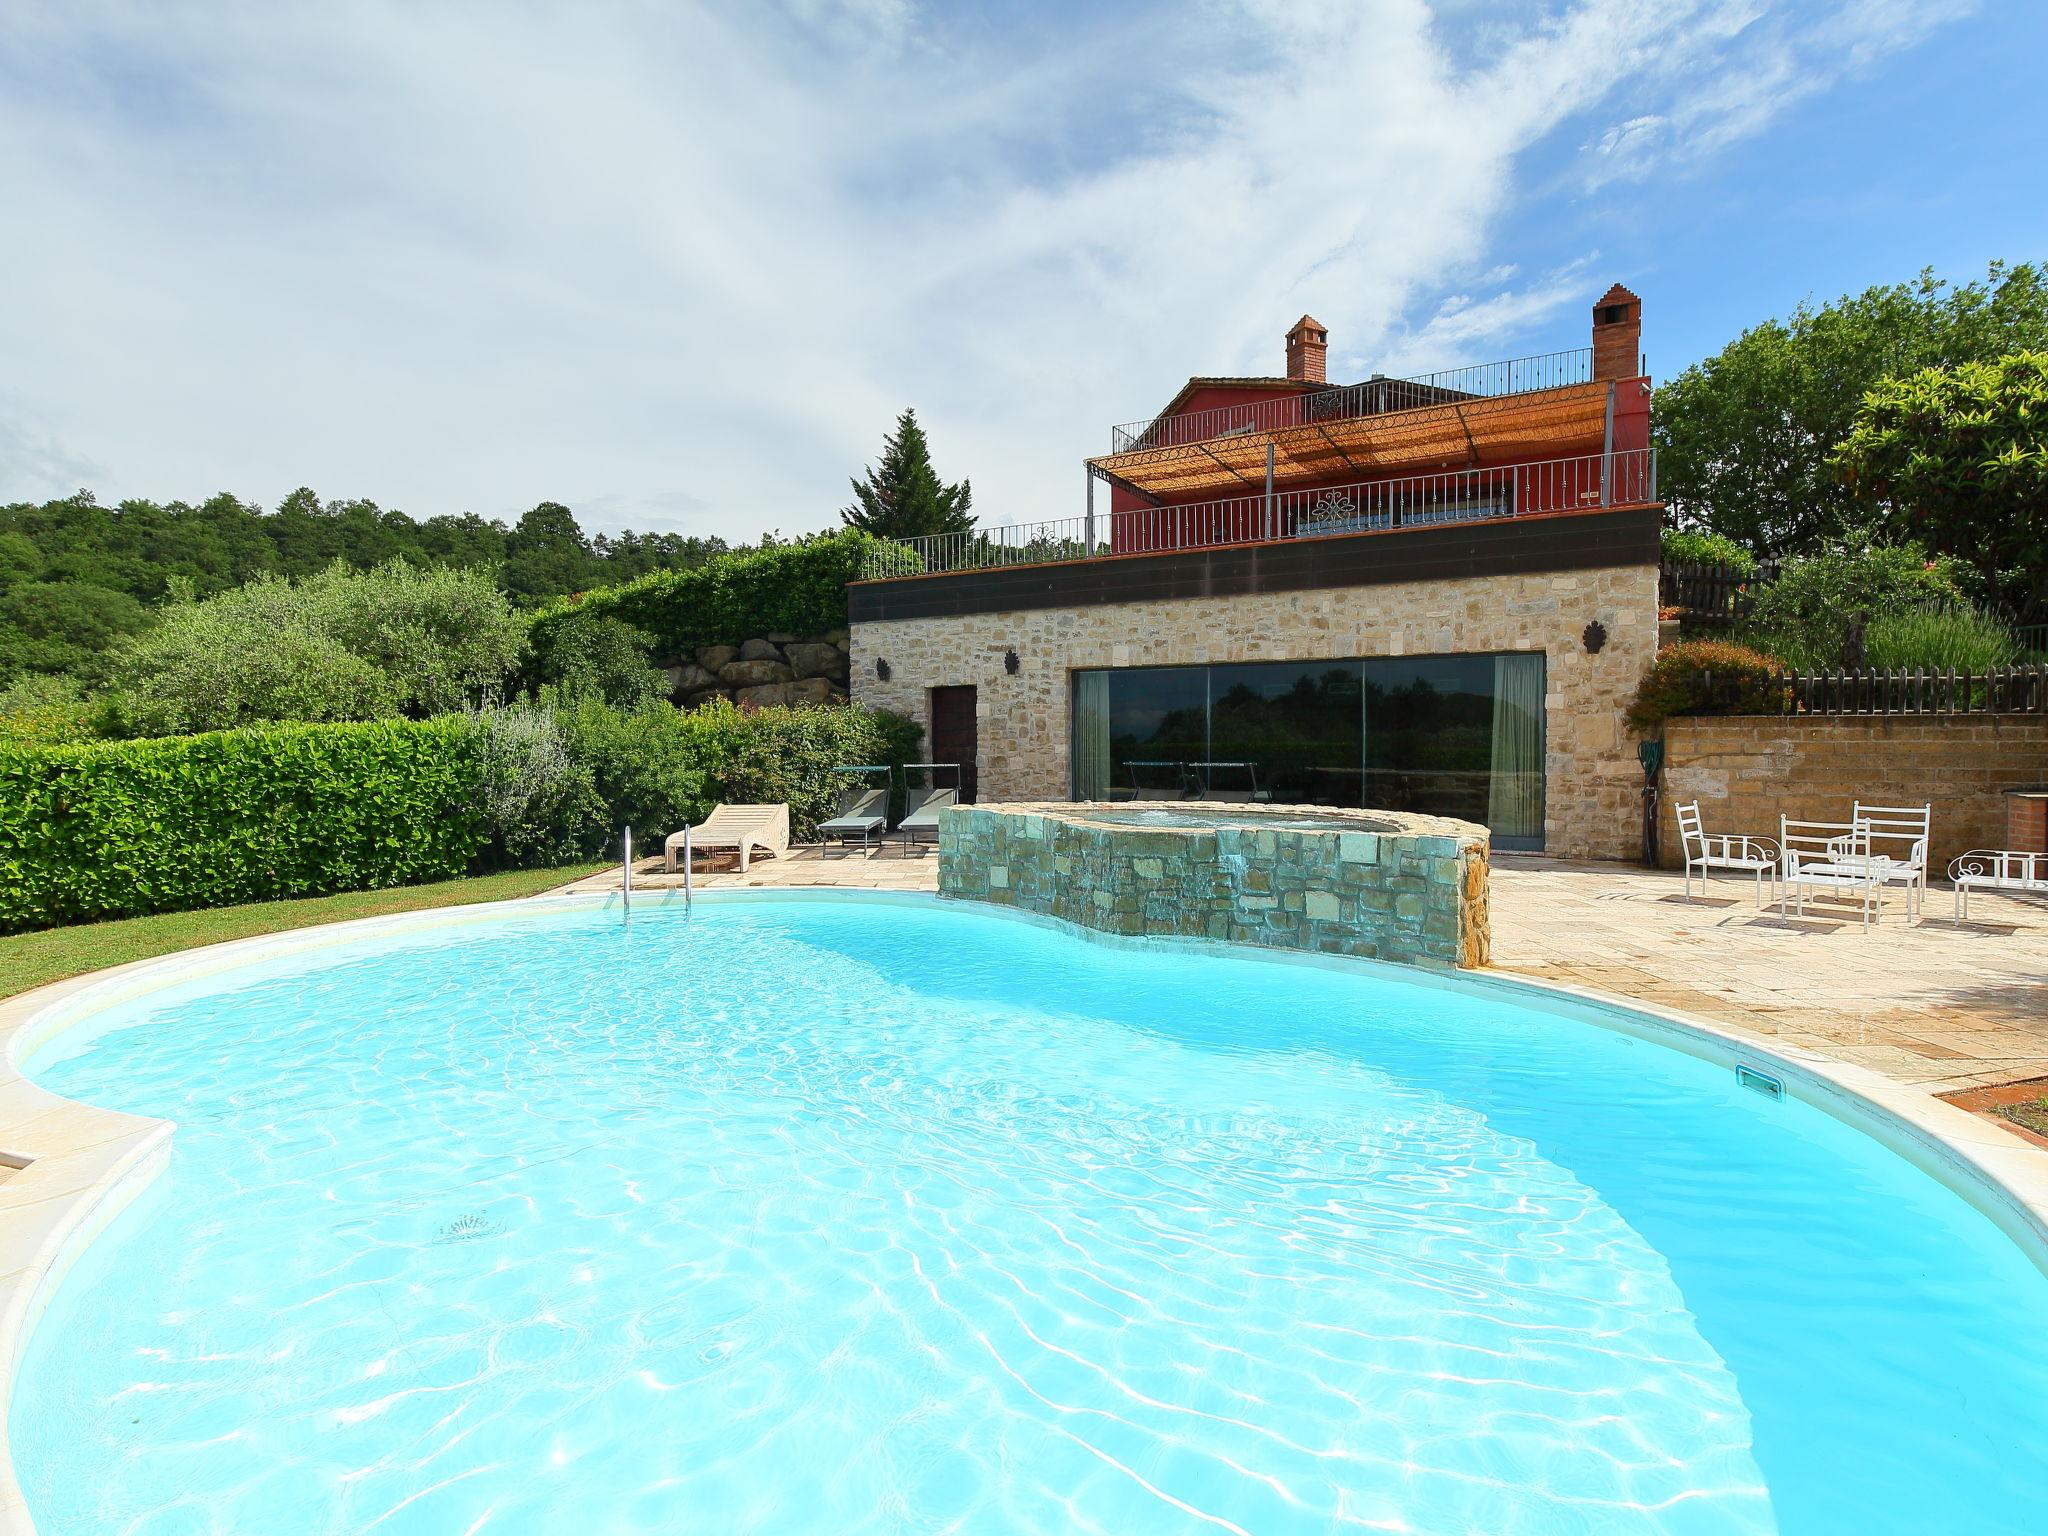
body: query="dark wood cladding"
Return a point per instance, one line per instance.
(1569, 541)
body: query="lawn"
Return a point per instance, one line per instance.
(31, 959)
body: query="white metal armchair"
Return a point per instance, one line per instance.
(1709, 851)
(1997, 869)
(1897, 837)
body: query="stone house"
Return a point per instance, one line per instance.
(1432, 595)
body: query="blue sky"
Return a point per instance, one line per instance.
(680, 265)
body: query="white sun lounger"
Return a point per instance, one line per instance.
(744, 828)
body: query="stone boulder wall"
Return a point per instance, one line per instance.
(1382, 885)
(767, 669)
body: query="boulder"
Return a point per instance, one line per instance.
(693, 700)
(759, 650)
(752, 674)
(763, 694)
(812, 690)
(813, 658)
(688, 677)
(712, 657)
(839, 637)
(776, 637)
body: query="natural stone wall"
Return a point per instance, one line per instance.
(771, 669)
(1747, 770)
(1592, 808)
(1387, 887)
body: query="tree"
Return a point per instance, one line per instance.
(546, 554)
(1744, 438)
(1958, 457)
(904, 498)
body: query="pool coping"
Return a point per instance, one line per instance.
(75, 1166)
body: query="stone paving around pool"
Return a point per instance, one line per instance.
(1937, 1004)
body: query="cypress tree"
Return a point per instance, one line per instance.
(904, 496)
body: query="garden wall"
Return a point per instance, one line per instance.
(1745, 770)
(762, 670)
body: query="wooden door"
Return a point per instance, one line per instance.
(953, 738)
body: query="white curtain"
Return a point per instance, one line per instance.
(1091, 735)
(1514, 802)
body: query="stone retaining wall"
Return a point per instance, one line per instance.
(771, 669)
(1399, 887)
(1745, 770)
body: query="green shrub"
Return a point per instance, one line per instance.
(539, 805)
(119, 828)
(590, 654)
(1949, 636)
(342, 645)
(1685, 546)
(1678, 684)
(647, 766)
(787, 754)
(43, 709)
(1804, 616)
(797, 589)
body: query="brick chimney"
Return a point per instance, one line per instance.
(1617, 335)
(1308, 346)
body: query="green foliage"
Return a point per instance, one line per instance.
(41, 710)
(538, 803)
(1805, 615)
(1946, 637)
(1676, 684)
(118, 828)
(590, 654)
(797, 588)
(1959, 457)
(61, 626)
(1682, 546)
(905, 497)
(787, 754)
(1744, 437)
(648, 766)
(340, 645)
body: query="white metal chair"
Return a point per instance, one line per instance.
(1709, 851)
(1997, 869)
(1824, 856)
(1898, 838)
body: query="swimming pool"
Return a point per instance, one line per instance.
(828, 1215)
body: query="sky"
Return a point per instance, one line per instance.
(680, 265)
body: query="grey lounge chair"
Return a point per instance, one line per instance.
(920, 823)
(863, 813)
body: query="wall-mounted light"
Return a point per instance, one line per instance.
(1595, 637)
(1010, 661)
(881, 669)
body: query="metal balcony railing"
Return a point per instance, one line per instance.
(1496, 492)
(1374, 397)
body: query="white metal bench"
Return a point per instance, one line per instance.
(1997, 869)
(1709, 851)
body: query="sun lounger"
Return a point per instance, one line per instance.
(921, 823)
(863, 812)
(744, 828)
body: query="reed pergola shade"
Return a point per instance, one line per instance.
(1542, 424)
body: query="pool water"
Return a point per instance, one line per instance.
(821, 1216)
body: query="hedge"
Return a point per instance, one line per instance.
(120, 828)
(797, 589)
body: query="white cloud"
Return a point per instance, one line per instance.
(680, 266)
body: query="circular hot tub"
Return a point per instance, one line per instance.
(1385, 885)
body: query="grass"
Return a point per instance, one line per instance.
(51, 954)
(2031, 1113)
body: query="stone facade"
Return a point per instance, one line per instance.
(1592, 806)
(1746, 770)
(769, 669)
(1379, 885)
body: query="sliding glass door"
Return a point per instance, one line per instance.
(1442, 735)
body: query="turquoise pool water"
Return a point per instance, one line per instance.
(819, 1216)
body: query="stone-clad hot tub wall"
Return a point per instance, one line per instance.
(1378, 884)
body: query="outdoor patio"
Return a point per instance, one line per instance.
(1934, 1003)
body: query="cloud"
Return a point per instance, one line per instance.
(681, 265)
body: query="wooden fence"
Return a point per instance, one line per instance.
(2019, 690)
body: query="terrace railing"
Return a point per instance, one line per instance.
(1409, 501)
(2021, 690)
(1374, 397)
